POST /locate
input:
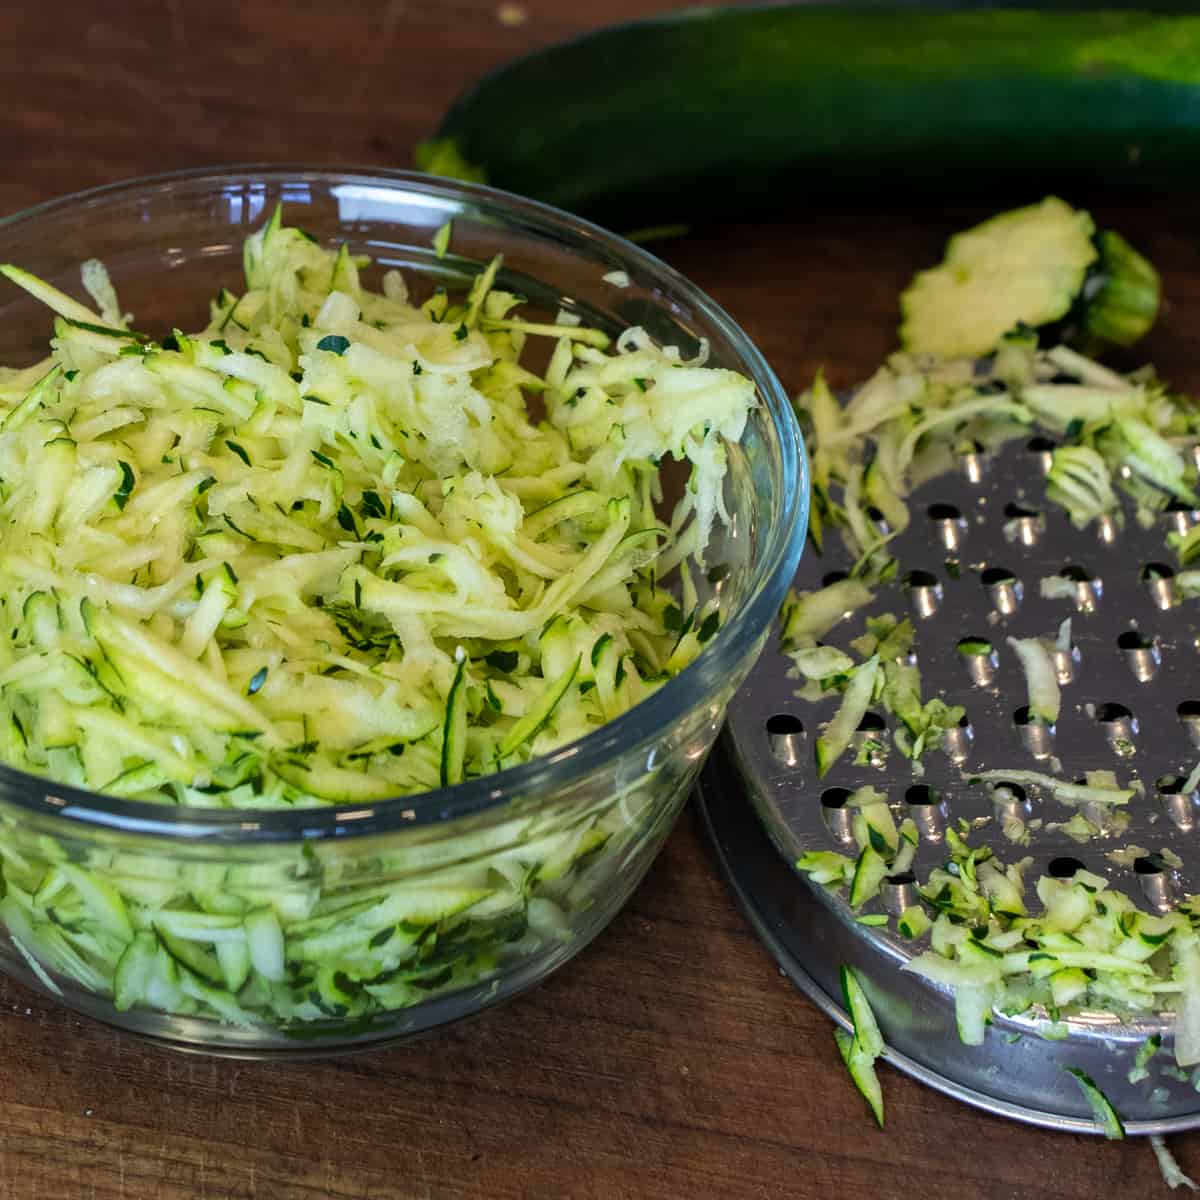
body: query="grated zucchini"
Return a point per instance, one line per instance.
(318, 552)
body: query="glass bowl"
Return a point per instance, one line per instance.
(469, 893)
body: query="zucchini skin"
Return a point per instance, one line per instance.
(721, 110)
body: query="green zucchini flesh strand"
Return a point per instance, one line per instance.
(870, 870)
(861, 1066)
(454, 728)
(1061, 789)
(760, 107)
(913, 922)
(1105, 1114)
(811, 615)
(540, 712)
(838, 733)
(866, 1028)
(972, 1010)
(826, 867)
(1041, 679)
(134, 968)
(875, 826)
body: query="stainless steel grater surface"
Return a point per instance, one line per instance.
(971, 564)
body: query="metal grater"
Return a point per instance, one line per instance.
(971, 561)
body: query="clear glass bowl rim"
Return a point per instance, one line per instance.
(650, 718)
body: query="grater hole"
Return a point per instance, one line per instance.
(1087, 588)
(872, 722)
(1152, 874)
(974, 646)
(899, 891)
(956, 741)
(994, 576)
(980, 658)
(782, 724)
(973, 459)
(1022, 524)
(1133, 639)
(876, 517)
(1064, 867)
(1119, 725)
(1043, 450)
(1036, 735)
(1159, 581)
(1065, 662)
(928, 811)
(1019, 512)
(921, 794)
(1004, 589)
(922, 579)
(834, 797)
(838, 818)
(1189, 717)
(949, 524)
(944, 512)
(1180, 515)
(785, 733)
(925, 592)
(1142, 654)
(833, 577)
(1177, 801)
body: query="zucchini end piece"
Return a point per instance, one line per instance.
(1024, 267)
(1126, 302)
(1042, 268)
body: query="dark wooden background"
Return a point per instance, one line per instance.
(671, 1060)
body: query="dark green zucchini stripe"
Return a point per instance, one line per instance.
(727, 109)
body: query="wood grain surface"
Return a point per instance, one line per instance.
(671, 1060)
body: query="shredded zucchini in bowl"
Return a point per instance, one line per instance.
(327, 550)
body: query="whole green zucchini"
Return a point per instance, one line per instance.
(728, 109)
